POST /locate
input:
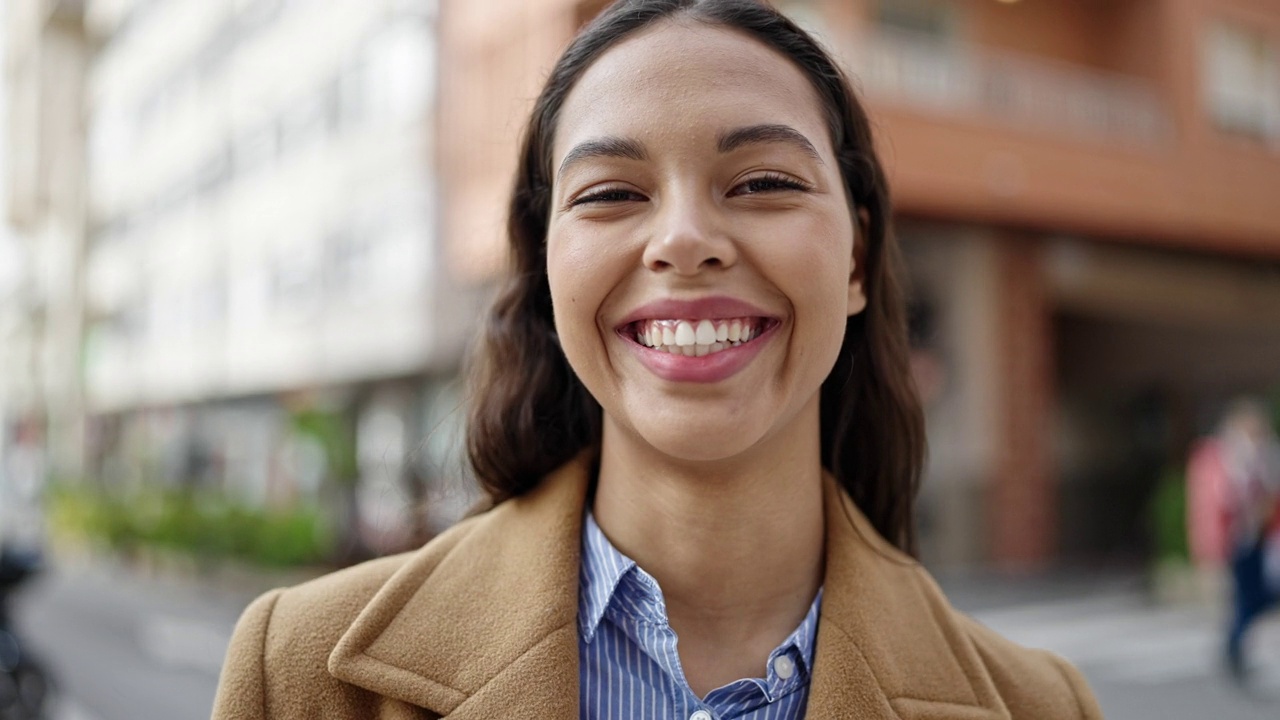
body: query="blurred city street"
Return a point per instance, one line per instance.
(247, 247)
(1143, 660)
(125, 647)
(122, 646)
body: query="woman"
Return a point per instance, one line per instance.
(692, 408)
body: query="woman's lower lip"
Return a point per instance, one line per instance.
(710, 368)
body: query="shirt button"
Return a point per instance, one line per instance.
(784, 667)
(700, 715)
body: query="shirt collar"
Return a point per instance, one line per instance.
(804, 636)
(603, 568)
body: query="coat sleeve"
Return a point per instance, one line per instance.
(242, 688)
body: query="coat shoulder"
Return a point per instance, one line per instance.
(1033, 683)
(279, 651)
(320, 611)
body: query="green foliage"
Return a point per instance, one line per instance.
(1167, 515)
(331, 430)
(201, 524)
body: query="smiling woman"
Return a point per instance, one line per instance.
(691, 408)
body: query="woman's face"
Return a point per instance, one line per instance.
(700, 250)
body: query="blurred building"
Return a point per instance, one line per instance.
(234, 217)
(251, 241)
(41, 252)
(1087, 194)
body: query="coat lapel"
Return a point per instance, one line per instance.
(888, 645)
(483, 620)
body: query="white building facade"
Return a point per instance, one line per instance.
(259, 243)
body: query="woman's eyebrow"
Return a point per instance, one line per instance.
(615, 147)
(733, 139)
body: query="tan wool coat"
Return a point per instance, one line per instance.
(482, 623)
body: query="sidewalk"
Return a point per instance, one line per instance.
(1145, 659)
(136, 640)
(982, 590)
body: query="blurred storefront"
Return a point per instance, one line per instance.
(1086, 196)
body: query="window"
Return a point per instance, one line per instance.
(1242, 81)
(934, 19)
(296, 278)
(808, 15)
(400, 62)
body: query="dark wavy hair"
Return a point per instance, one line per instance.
(529, 412)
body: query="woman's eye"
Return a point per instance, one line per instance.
(608, 195)
(768, 183)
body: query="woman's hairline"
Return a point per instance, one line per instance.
(831, 117)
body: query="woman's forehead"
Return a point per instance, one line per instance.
(678, 78)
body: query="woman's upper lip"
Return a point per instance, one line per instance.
(716, 307)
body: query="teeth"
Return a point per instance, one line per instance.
(706, 333)
(697, 338)
(685, 334)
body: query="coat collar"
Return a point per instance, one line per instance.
(482, 622)
(889, 645)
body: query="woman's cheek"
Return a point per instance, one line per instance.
(578, 281)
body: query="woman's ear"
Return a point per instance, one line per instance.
(858, 271)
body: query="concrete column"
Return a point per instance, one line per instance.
(1022, 500)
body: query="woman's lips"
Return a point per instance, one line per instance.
(696, 337)
(697, 362)
(714, 307)
(705, 340)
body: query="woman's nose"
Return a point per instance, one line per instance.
(689, 239)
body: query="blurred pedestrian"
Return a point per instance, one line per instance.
(693, 410)
(1247, 486)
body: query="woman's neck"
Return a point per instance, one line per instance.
(736, 545)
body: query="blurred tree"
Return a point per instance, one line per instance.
(1167, 518)
(335, 433)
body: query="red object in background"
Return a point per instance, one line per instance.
(1210, 506)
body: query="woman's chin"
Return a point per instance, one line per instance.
(699, 444)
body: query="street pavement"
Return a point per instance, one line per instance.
(130, 647)
(123, 646)
(1150, 662)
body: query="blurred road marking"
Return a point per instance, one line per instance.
(177, 642)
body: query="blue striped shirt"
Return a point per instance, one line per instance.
(629, 665)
